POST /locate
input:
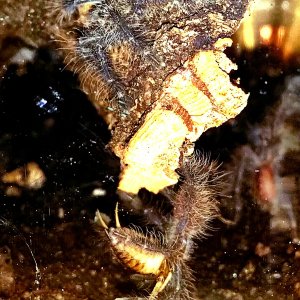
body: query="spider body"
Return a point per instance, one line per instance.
(123, 50)
(164, 255)
(143, 254)
(127, 245)
(109, 43)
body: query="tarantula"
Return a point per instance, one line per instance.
(164, 255)
(124, 49)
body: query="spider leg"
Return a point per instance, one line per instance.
(128, 34)
(104, 32)
(161, 283)
(112, 80)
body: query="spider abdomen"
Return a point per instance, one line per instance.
(137, 252)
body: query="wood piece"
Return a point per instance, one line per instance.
(193, 99)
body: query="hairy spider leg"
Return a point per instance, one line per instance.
(93, 44)
(165, 274)
(111, 78)
(105, 29)
(140, 5)
(161, 281)
(129, 36)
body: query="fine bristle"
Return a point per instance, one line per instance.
(114, 45)
(181, 287)
(165, 254)
(195, 203)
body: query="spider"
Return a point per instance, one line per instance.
(266, 169)
(165, 255)
(114, 41)
(147, 259)
(123, 48)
